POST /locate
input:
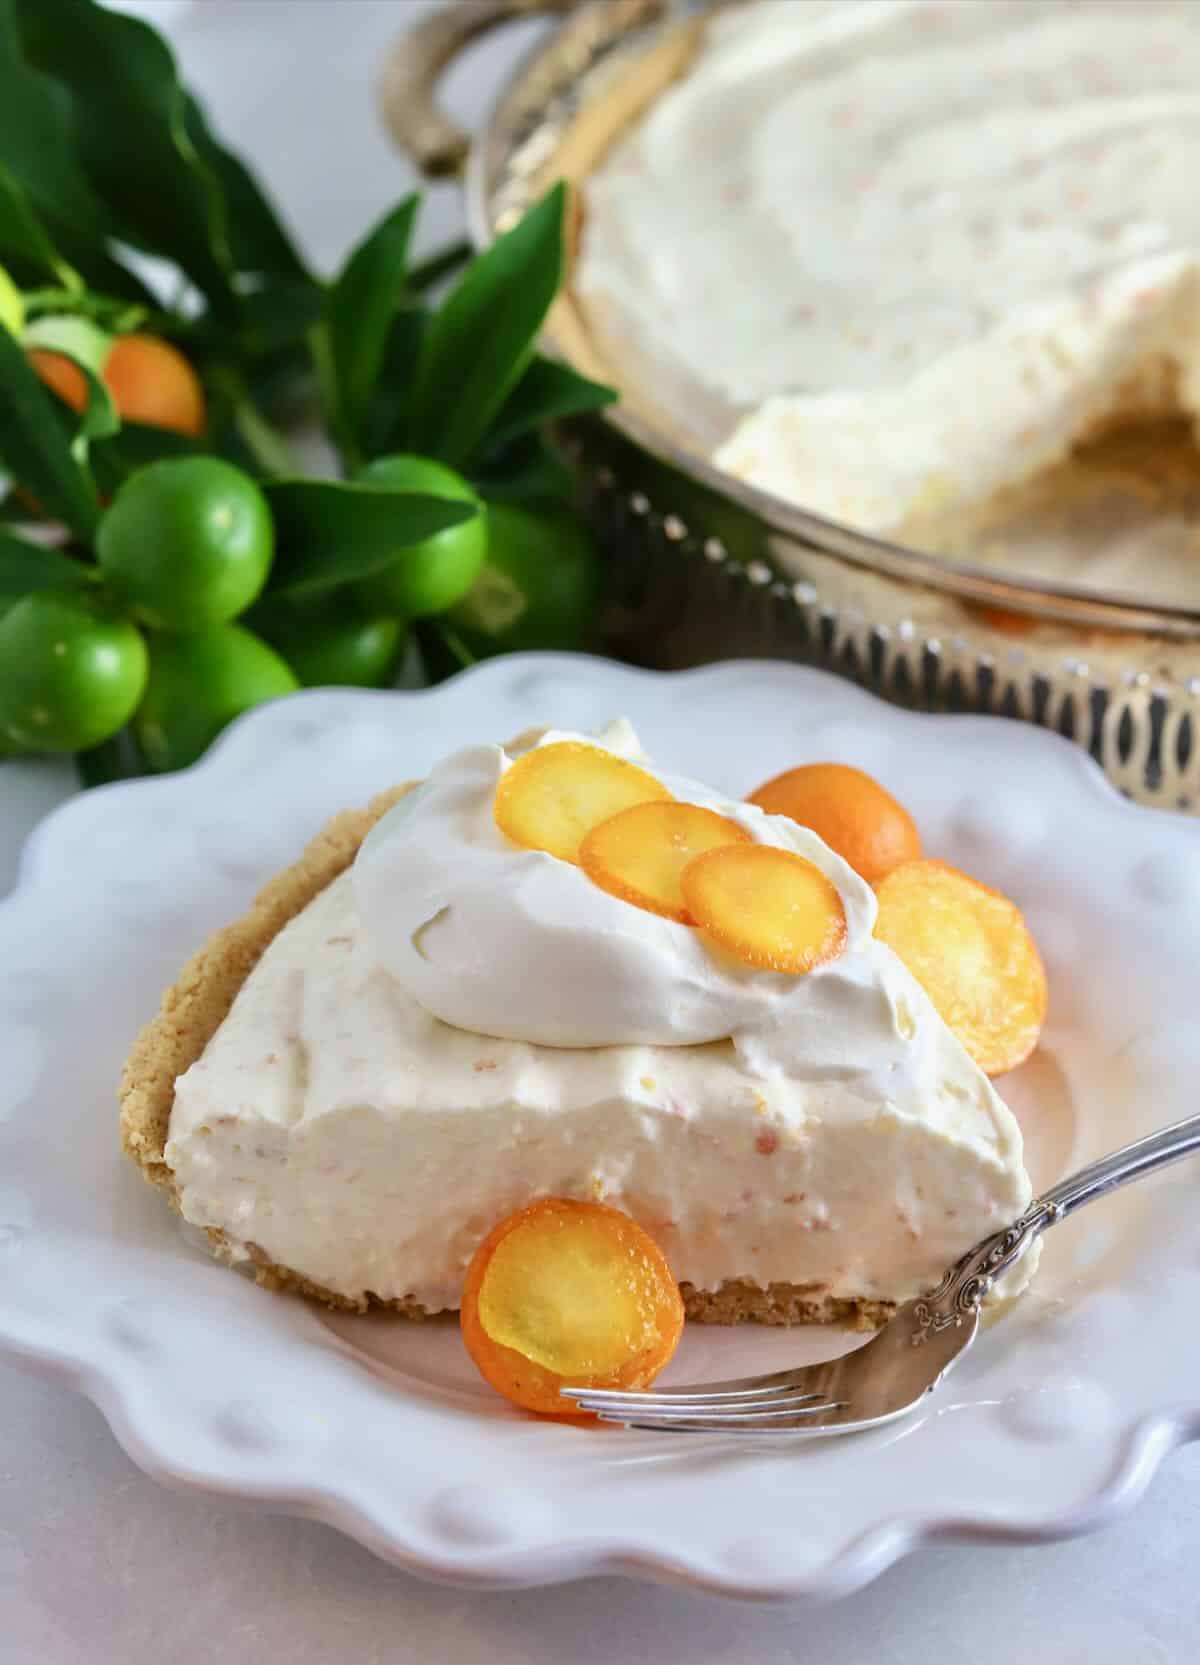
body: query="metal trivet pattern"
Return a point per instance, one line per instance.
(678, 598)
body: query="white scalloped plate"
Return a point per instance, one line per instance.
(1057, 1419)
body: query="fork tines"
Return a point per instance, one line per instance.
(747, 1410)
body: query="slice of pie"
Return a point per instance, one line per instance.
(425, 1023)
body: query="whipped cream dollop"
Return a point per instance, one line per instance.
(517, 944)
(920, 247)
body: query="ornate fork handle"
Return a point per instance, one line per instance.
(965, 1286)
(967, 1283)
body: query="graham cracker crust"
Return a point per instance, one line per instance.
(193, 1009)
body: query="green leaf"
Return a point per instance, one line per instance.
(481, 337)
(115, 457)
(112, 313)
(95, 264)
(331, 532)
(358, 318)
(257, 239)
(35, 445)
(76, 337)
(384, 424)
(128, 124)
(440, 264)
(281, 312)
(87, 346)
(242, 431)
(99, 418)
(547, 392)
(531, 468)
(26, 567)
(37, 144)
(36, 141)
(23, 237)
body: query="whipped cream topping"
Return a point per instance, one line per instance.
(517, 944)
(860, 222)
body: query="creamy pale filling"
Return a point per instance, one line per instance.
(458, 1025)
(336, 1125)
(921, 247)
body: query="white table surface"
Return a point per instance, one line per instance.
(99, 1566)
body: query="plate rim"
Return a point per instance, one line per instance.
(109, 1379)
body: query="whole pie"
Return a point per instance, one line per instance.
(442, 1012)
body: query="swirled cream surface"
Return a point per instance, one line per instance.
(458, 1024)
(923, 247)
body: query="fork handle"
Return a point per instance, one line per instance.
(1086, 1185)
(966, 1284)
(1131, 1162)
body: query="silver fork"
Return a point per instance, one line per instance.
(909, 1356)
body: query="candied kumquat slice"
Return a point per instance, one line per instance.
(640, 854)
(770, 907)
(855, 816)
(569, 1293)
(972, 953)
(553, 796)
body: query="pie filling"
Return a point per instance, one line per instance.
(459, 1024)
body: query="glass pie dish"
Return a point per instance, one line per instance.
(703, 565)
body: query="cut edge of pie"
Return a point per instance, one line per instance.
(193, 1009)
